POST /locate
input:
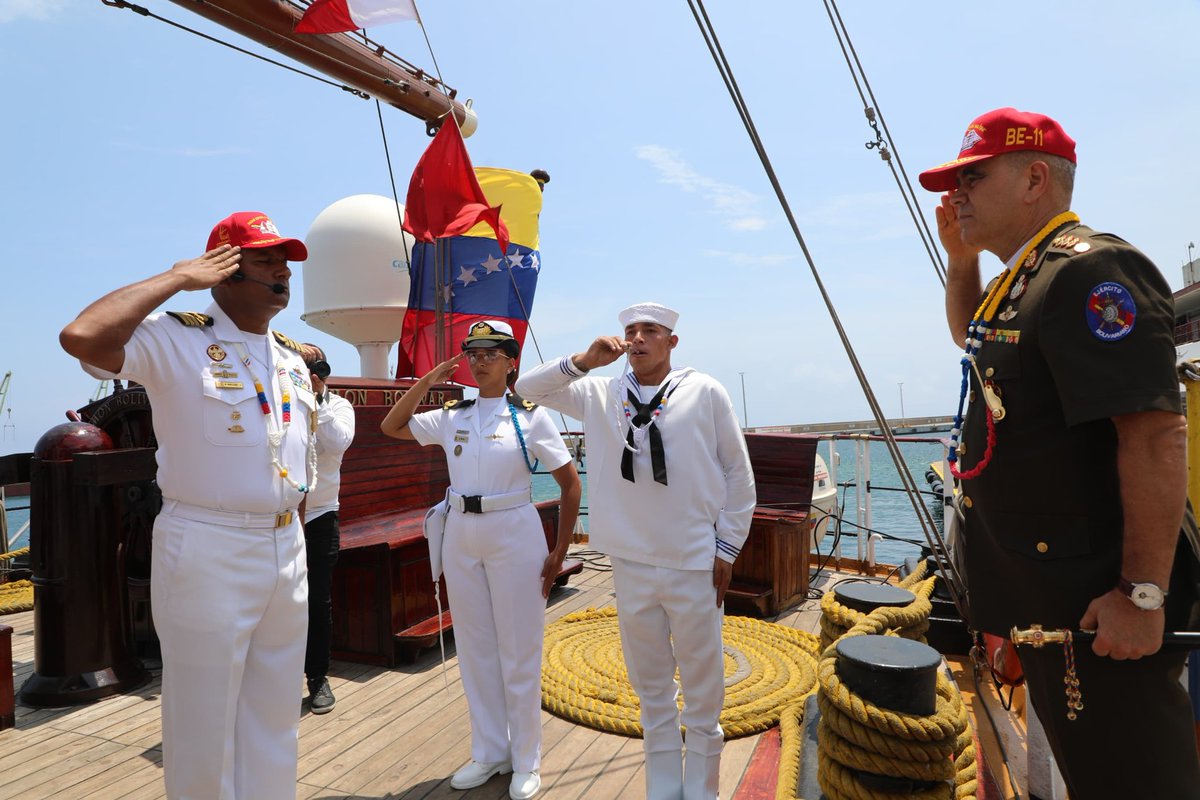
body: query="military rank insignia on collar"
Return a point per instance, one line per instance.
(1110, 311)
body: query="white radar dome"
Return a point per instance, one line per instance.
(356, 276)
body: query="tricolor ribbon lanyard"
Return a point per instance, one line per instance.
(275, 433)
(977, 331)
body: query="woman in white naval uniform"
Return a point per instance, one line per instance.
(497, 566)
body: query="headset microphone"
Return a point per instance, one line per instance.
(239, 276)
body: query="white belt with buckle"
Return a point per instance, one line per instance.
(481, 504)
(234, 519)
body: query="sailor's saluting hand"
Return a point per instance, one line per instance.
(209, 269)
(445, 370)
(601, 352)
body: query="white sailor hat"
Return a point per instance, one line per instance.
(649, 312)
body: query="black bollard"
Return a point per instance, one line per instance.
(896, 674)
(866, 597)
(82, 643)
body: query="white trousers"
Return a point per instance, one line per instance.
(493, 565)
(668, 618)
(231, 611)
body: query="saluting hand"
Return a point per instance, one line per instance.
(209, 269)
(445, 370)
(950, 232)
(602, 352)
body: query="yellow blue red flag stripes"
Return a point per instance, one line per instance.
(465, 279)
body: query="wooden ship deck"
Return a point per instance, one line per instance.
(394, 733)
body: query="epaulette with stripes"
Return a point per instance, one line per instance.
(288, 342)
(459, 404)
(192, 319)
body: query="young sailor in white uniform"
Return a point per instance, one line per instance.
(671, 497)
(233, 412)
(494, 555)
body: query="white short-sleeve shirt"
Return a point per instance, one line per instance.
(484, 455)
(211, 431)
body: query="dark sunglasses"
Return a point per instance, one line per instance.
(320, 369)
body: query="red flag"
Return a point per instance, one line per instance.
(444, 197)
(338, 16)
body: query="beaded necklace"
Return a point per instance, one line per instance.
(274, 433)
(977, 331)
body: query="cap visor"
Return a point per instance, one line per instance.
(944, 177)
(294, 248)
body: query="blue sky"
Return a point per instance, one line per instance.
(125, 140)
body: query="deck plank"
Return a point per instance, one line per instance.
(395, 733)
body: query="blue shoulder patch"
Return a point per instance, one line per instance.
(1110, 312)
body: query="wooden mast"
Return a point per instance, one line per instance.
(340, 56)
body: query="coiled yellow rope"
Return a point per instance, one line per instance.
(767, 667)
(15, 596)
(911, 621)
(857, 735)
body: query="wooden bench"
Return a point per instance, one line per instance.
(771, 573)
(384, 610)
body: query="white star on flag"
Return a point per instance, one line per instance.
(466, 275)
(515, 260)
(492, 264)
(535, 262)
(447, 293)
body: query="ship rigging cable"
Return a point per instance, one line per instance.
(932, 536)
(874, 115)
(145, 12)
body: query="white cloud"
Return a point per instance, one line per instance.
(11, 10)
(738, 207)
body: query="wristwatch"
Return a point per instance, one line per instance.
(1146, 596)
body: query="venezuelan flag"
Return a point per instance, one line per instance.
(465, 279)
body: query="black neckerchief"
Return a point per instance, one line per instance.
(645, 412)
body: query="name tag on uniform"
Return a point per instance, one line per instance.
(229, 385)
(461, 436)
(224, 374)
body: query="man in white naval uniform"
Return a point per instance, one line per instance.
(228, 583)
(672, 495)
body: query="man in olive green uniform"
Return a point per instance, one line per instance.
(1072, 456)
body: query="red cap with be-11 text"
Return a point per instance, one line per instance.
(1005, 130)
(249, 229)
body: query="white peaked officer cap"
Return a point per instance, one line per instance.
(649, 312)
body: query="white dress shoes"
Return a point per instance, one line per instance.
(477, 774)
(524, 785)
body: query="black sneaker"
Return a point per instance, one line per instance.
(320, 697)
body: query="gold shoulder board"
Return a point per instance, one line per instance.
(288, 342)
(517, 400)
(192, 319)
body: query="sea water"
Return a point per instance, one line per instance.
(892, 513)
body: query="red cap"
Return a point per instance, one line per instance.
(254, 229)
(1004, 130)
